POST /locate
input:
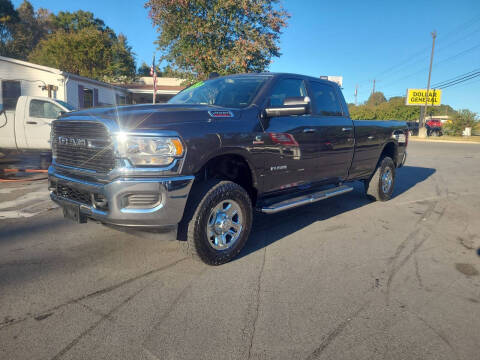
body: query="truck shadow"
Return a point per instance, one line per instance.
(267, 229)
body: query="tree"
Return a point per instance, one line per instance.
(88, 52)
(79, 20)
(82, 44)
(376, 98)
(143, 70)
(198, 37)
(122, 67)
(26, 30)
(8, 17)
(464, 118)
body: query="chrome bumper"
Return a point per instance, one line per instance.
(173, 193)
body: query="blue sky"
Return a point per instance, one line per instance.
(361, 40)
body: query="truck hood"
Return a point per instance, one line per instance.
(146, 117)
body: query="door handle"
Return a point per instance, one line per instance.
(32, 122)
(371, 137)
(346, 129)
(308, 131)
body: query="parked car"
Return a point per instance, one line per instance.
(28, 127)
(412, 128)
(218, 150)
(434, 127)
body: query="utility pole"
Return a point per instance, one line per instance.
(373, 90)
(423, 131)
(356, 94)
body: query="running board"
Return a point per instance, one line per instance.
(306, 199)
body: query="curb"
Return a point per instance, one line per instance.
(444, 141)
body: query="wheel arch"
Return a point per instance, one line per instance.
(389, 149)
(233, 165)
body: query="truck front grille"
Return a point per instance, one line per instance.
(83, 144)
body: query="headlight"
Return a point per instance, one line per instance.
(150, 150)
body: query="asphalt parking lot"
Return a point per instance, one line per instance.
(341, 279)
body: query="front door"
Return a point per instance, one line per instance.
(290, 142)
(39, 114)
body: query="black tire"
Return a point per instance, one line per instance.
(192, 229)
(374, 187)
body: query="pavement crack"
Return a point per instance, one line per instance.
(440, 335)
(9, 322)
(417, 272)
(396, 269)
(97, 323)
(257, 302)
(413, 235)
(335, 333)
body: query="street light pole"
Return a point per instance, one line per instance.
(423, 131)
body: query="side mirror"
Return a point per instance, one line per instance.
(291, 106)
(60, 113)
(1, 109)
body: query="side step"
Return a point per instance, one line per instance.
(306, 199)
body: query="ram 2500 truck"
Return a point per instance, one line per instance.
(216, 152)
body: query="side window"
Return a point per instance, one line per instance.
(325, 100)
(286, 88)
(11, 91)
(43, 109)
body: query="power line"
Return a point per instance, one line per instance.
(461, 53)
(461, 81)
(460, 28)
(455, 78)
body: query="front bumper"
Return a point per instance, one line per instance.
(168, 210)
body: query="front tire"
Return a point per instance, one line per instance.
(381, 184)
(217, 221)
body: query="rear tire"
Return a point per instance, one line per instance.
(217, 221)
(381, 184)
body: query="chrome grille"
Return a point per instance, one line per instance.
(82, 144)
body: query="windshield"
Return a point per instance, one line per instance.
(65, 105)
(230, 92)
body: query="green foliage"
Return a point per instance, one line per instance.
(376, 99)
(393, 109)
(87, 52)
(464, 118)
(8, 17)
(75, 42)
(25, 30)
(198, 37)
(143, 70)
(77, 21)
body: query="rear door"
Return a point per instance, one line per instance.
(335, 133)
(39, 114)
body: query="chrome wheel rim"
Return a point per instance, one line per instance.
(224, 225)
(387, 179)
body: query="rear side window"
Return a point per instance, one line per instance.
(11, 91)
(286, 88)
(43, 109)
(325, 100)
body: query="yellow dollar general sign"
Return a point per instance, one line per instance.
(417, 97)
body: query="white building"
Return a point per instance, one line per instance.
(23, 78)
(141, 91)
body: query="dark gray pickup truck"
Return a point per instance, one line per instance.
(218, 150)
